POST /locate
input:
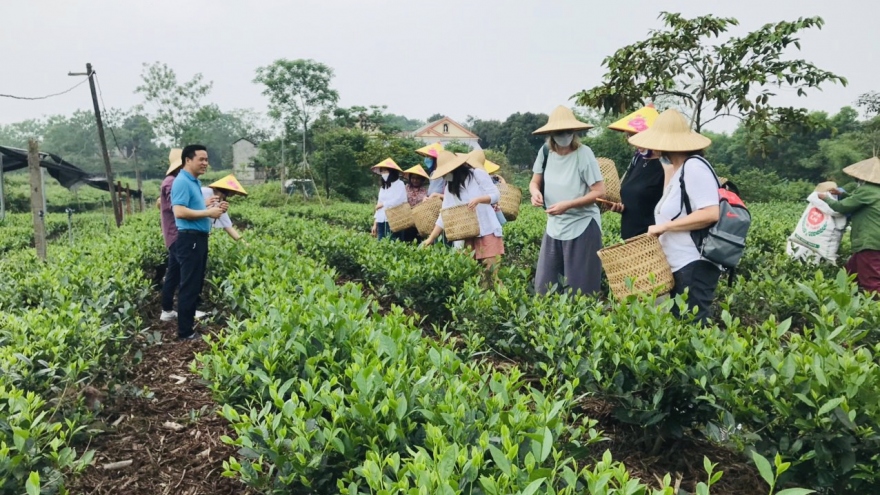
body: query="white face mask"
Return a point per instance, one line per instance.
(448, 177)
(384, 175)
(563, 139)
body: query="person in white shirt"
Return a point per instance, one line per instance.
(466, 184)
(220, 191)
(392, 192)
(679, 231)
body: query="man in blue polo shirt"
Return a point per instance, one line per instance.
(193, 219)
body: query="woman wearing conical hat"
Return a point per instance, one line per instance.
(642, 184)
(681, 150)
(416, 191)
(863, 204)
(392, 193)
(492, 169)
(566, 181)
(222, 189)
(468, 184)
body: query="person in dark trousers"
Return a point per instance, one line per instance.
(171, 272)
(193, 219)
(642, 185)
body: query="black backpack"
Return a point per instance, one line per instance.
(724, 242)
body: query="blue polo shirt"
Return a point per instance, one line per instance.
(187, 191)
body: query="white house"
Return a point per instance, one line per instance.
(444, 131)
(244, 153)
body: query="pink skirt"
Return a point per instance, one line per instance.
(484, 247)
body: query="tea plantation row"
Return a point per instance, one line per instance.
(791, 367)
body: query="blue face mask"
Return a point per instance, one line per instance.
(429, 163)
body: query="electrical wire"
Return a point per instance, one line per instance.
(104, 108)
(47, 96)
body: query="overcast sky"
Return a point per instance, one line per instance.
(487, 58)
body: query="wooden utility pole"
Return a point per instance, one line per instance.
(117, 208)
(37, 199)
(140, 184)
(127, 199)
(2, 192)
(119, 198)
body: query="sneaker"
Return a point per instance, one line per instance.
(200, 315)
(168, 315)
(192, 336)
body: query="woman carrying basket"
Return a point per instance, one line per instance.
(392, 193)
(681, 151)
(642, 185)
(416, 192)
(492, 169)
(566, 181)
(466, 184)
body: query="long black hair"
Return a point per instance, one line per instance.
(460, 176)
(393, 175)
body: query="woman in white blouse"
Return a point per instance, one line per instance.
(466, 184)
(688, 207)
(392, 192)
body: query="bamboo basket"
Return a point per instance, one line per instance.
(400, 217)
(611, 180)
(511, 197)
(425, 215)
(459, 223)
(641, 260)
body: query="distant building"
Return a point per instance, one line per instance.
(446, 130)
(244, 154)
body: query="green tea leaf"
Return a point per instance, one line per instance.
(795, 491)
(500, 460)
(831, 404)
(33, 484)
(547, 446)
(533, 487)
(764, 468)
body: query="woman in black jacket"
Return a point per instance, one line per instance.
(642, 185)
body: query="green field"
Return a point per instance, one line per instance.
(343, 365)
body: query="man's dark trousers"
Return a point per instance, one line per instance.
(192, 254)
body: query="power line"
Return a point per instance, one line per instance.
(101, 96)
(47, 96)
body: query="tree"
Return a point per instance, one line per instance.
(870, 102)
(336, 161)
(456, 147)
(298, 91)
(519, 152)
(732, 78)
(435, 117)
(489, 132)
(173, 105)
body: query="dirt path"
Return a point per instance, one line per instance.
(182, 459)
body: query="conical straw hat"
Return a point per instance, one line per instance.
(826, 187)
(476, 159)
(866, 170)
(229, 184)
(386, 163)
(430, 150)
(670, 132)
(638, 121)
(175, 160)
(447, 162)
(562, 119)
(491, 167)
(417, 170)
